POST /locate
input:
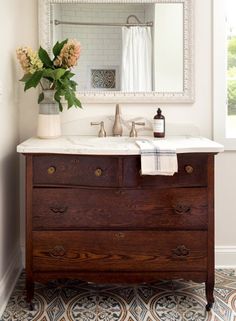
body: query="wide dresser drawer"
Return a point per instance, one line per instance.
(75, 170)
(192, 171)
(117, 171)
(81, 208)
(119, 251)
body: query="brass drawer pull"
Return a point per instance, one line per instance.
(180, 251)
(51, 170)
(181, 209)
(119, 235)
(58, 251)
(188, 169)
(98, 172)
(58, 210)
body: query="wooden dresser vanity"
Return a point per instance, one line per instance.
(95, 218)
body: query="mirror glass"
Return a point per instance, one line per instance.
(133, 47)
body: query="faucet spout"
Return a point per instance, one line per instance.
(117, 128)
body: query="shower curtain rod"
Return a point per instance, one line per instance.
(102, 24)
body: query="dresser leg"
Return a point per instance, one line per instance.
(209, 295)
(29, 293)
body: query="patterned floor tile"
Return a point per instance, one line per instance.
(72, 300)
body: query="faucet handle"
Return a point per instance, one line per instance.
(133, 132)
(102, 132)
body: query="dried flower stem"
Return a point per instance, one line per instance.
(41, 85)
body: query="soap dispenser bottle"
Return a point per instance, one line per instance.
(159, 124)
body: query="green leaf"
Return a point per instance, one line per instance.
(49, 73)
(26, 77)
(55, 49)
(59, 73)
(60, 106)
(41, 97)
(63, 83)
(43, 55)
(70, 99)
(77, 103)
(73, 85)
(34, 80)
(57, 96)
(58, 46)
(54, 74)
(68, 74)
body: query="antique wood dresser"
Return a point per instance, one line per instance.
(95, 218)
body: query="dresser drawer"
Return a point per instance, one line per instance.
(192, 171)
(75, 170)
(177, 208)
(119, 251)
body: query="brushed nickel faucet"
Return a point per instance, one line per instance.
(102, 132)
(117, 127)
(133, 132)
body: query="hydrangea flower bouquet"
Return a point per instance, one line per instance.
(40, 69)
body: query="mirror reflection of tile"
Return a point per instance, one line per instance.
(104, 78)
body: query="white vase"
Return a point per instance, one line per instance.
(49, 122)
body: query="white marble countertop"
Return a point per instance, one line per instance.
(90, 145)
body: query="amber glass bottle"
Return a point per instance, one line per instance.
(159, 124)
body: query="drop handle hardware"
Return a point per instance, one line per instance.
(98, 172)
(180, 251)
(119, 192)
(58, 210)
(188, 169)
(102, 132)
(58, 251)
(181, 209)
(51, 170)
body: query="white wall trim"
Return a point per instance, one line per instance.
(225, 257)
(23, 256)
(8, 282)
(219, 75)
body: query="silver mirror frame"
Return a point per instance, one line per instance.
(187, 96)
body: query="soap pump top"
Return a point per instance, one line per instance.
(159, 124)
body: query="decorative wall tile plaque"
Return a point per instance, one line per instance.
(103, 79)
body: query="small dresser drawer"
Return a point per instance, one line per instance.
(62, 208)
(75, 170)
(119, 251)
(192, 171)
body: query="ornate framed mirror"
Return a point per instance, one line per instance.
(132, 50)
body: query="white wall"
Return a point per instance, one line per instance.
(199, 114)
(169, 49)
(10, 263)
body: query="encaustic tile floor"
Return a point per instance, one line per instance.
(162, 301)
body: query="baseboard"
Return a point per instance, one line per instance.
(225, 257)
(9, 280)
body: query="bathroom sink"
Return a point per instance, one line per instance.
(78, 140)
(104, 145)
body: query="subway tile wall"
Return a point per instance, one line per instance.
(101, 47)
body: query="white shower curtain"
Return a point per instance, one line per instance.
(136, 74)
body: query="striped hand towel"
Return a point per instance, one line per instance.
(157, 158)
